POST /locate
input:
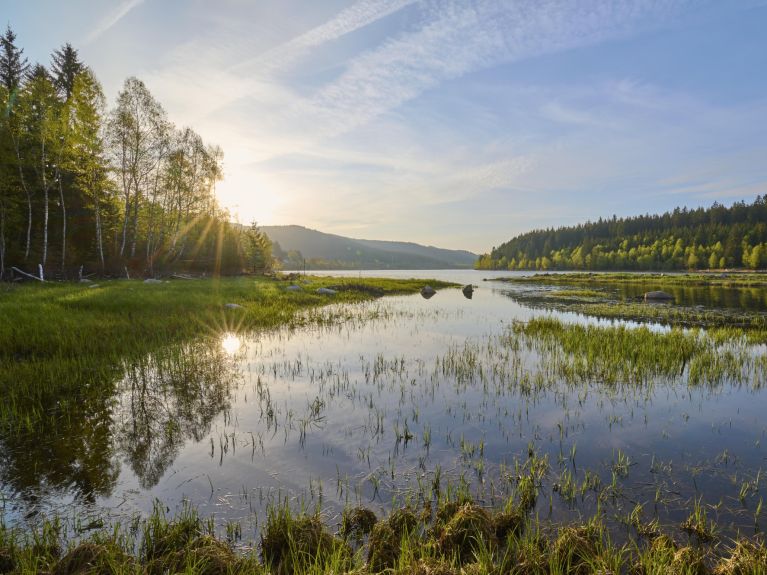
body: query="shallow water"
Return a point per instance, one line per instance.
(381, 400)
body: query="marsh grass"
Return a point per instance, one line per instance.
(59, 339)
(458, 538)
(734, 279)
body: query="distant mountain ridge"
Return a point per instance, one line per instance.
(320, 250)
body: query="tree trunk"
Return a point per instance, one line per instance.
(29, 198)
(98, 235)
(125, 223)
(45, 208)
(63, 225)
(2, 241)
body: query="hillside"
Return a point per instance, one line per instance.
(293, 244)
(705, 238)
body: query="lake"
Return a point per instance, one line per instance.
(384, 401)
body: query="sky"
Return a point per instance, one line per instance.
(456, 123)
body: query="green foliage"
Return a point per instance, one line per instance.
(118, 192)
(717, 237)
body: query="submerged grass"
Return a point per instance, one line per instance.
(459, 539)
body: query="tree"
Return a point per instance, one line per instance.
(65, 67)
(13, 64)
(138, 131)
(258, 249)
(88, 158)
(39, 109)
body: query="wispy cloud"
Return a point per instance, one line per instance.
(355, 17)
(462, 37)
(111, 19)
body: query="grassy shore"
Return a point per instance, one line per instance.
(723, 279)
(59, 339)
(452, 536)
(599, 295)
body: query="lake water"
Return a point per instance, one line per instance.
(375, 402)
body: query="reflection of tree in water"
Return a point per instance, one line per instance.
(71, 451)
(166, 399)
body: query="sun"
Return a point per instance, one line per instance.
(230, 343)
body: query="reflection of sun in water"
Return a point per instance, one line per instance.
(231, 343)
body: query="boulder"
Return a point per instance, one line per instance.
(232, 306)
(468, 291)
(152, 281)
(294, 288)
(86, 281)
(658, 296)
(427, 291)
(326, 291)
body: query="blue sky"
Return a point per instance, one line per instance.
(457, 123)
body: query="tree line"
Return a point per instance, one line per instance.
(705, 238)
(114, 190)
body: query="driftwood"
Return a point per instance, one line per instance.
(25, 274)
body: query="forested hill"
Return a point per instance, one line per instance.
(294, 244)
(705, 238)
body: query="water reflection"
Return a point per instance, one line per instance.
(231, 343)
(142, 416)
(368, 401)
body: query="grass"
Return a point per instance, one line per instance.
(661, 280)
(455, 537)
(615, 296)
(59, 339)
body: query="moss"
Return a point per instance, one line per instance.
(470, 529)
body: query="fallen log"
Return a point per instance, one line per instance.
(25, 274)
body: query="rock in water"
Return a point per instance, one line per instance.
(232, 306)
(152, 281)
(658, 296)
(326, 291)
(468, 291)
(427, 291)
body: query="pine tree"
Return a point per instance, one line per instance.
(65, 66)
(13, 64)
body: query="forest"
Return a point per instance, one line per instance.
(717, 237)
(91, 189)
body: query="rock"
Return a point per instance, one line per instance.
(294, 288)
(326, 291)
(658, 296)
(232, 306)
(85, 281)
(152, 281)
(468, 291)
(93, 286)
(427, 291)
